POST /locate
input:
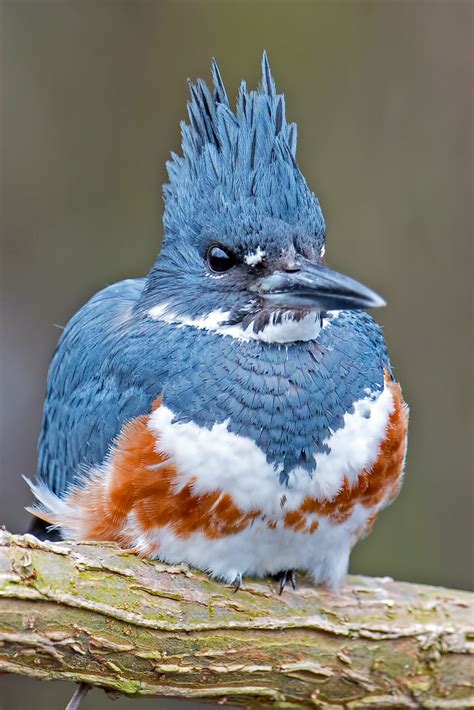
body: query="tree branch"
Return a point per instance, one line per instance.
(96, 614)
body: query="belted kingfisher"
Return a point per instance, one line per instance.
(236, 409)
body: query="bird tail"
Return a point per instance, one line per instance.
(57, 512)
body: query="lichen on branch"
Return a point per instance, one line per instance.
(97, 614)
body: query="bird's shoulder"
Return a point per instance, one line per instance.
(353, 341)
(104, 372)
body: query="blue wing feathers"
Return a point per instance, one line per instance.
(96, 383)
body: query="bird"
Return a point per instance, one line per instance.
(236, 410)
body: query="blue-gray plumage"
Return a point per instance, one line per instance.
(112, 362)
(243, 337)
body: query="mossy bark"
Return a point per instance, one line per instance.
(95, 613)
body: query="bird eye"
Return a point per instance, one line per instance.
(219, 259)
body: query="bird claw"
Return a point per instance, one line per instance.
(288, 575)
(237, 582)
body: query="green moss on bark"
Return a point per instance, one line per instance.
(94, 613)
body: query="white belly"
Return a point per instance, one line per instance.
(258, 550)
(218, 460)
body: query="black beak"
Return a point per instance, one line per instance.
(311, 285)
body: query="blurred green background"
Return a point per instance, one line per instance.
(92, 95)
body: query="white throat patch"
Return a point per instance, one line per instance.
(282, 328)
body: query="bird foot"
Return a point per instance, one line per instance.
(285, 577)
(237, 583)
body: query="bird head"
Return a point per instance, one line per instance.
(244, 236)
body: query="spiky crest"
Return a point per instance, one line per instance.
(242, 157)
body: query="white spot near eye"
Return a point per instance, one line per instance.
(323, 251)
(255, 258)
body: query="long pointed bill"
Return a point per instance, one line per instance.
(316, 286)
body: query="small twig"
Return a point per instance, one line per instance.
(78, 696)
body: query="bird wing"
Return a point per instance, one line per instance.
(105, 371)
